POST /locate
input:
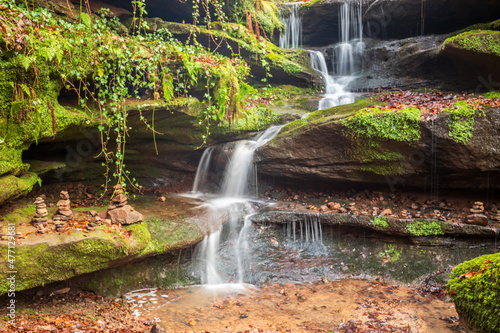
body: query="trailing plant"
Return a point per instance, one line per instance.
(106, 69)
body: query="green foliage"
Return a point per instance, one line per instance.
(474, 286)
(380, 222)
(105, 69)
(425, 228)
(461, 121)
(492, 94)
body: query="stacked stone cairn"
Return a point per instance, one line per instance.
(119, 211)
(40, 219)
(64, 213)
(477, 216)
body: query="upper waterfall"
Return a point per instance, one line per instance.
(291, 38)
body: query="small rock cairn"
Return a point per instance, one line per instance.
(477, 216)
(40, 219)
(41, 212)
(64, 212)
(119, 211)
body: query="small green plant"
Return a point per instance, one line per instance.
(380, 222)
(391, 253)
(425, 228)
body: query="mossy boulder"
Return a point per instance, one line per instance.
(169, 226)
(362, 144)
(476, 54)
(12, 187)
(57, 258)
(474, 287)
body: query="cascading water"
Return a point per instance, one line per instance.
(291, 38)
(234, 198)
(202, 171)
(347, 54)
(335, 92)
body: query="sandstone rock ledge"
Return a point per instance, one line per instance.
(44, 259)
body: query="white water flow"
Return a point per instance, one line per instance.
(202, 171)
(218, 265)
(291, 38)
(346, 55)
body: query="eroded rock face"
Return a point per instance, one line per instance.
(407, 64)
(319, 152)
(396, 19)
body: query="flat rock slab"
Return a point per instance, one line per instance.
(167, 226)
(396, 227)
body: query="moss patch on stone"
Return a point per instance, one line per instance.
(461, 121)
(370, 127)
(12, 187)
(478, 41)
(326, 116)
(425, 228)
(474, 287)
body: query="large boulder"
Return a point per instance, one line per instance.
(476, 55)
(321, 150)
(177, 223)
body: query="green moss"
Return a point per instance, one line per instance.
(461, 121)
(68, 256)
(380, 222)
(392, 124)
(492, 94)
(325, 116)
(479, 41)
(370, 127)
(474, 286)
(12, 187)
(307, 5)
(425, 228)
(495, 25)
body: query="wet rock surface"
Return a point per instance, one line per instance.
(396, 19)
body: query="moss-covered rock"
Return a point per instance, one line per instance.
(60, 257)
(12, 187)
(364, 144)
(474, 287)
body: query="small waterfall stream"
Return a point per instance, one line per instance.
(347, 54)
(235, 198)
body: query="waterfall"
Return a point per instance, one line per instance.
(348, 52)
(305, 235)
(335, 93)
(240, 167)
(202, 172)
(346, 55)
(291, 38)
(214, 271)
